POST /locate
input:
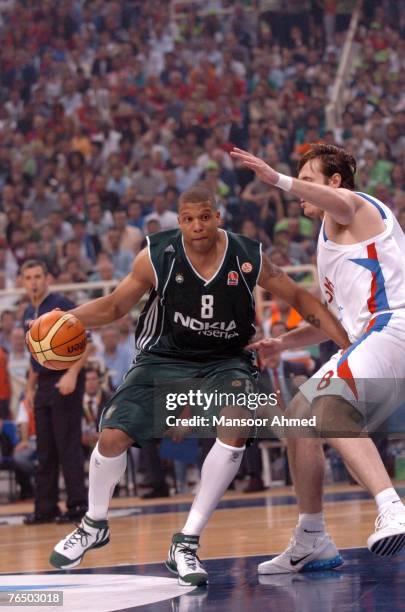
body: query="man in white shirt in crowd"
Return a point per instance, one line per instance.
(117, 359)
(167, 218)
(25, 452)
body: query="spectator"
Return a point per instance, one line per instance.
(131, 237)
(167, 218)
(117, 359)
(72, 252)
(18, 365)
(41, 202)
(147, 180)
(151, 227)
(126, 329)
(62, 230)
(7, 323)
(8, 440)
(99, 222)
(89, 245)
(187, 173)
(4, 386)
(118, 182)
(135, 214)
(94, 399)
(25, 452)
(122, 259)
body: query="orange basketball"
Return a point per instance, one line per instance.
(57, 340)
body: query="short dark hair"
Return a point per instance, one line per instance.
(120, 209)
(197, 195)
(333, 160)
(34, 263)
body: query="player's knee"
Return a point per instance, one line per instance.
(235, 425)
(113, 442)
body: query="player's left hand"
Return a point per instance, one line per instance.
(67, 383)
(267, 347)
(263, 171)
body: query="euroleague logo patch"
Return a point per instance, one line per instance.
(246, 267)
(233, 278)
(179, 278)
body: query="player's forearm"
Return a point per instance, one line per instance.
(98, 312)
(337, 202)
(340, 203)
(319, 317)
(306, 335)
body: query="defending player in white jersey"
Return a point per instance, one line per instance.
(361, 262)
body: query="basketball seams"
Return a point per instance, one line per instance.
(39, 340)
(66, 341)
(56, 327)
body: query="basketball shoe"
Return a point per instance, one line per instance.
(307, 552)
(389, 536)
(70, 551)
(183, 560)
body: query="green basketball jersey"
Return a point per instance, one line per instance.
(188, 317)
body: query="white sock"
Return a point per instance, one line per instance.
(386, 498)
(311, 523)
(104, 473)
(219, 469)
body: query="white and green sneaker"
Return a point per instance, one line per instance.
(70, 551)
(184, 562)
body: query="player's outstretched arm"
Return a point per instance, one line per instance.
(323, 323)
(340, 203)
(109, 308)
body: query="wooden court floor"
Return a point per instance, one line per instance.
(243, 526)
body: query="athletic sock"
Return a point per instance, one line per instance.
(385, 499)
(104, 473)
(311, 523)
(219, 469)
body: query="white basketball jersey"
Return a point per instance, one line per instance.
(363, 279)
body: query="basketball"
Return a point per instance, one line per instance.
(57, 340)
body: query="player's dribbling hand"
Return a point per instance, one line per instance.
(267, 347)
(263, 171)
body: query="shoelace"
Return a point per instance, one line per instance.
(388, 515)
(80, 535)
(190, 556)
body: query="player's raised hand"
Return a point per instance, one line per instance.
(267, 347)
(263, 171)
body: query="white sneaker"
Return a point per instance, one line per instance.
(184, 562)
(389, 536)
(70, 551)
(305, 553)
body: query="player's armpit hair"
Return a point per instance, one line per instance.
(312, 320)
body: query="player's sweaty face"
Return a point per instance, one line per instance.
(199, 225)
(311, 172)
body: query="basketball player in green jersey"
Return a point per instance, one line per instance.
(198, 318)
